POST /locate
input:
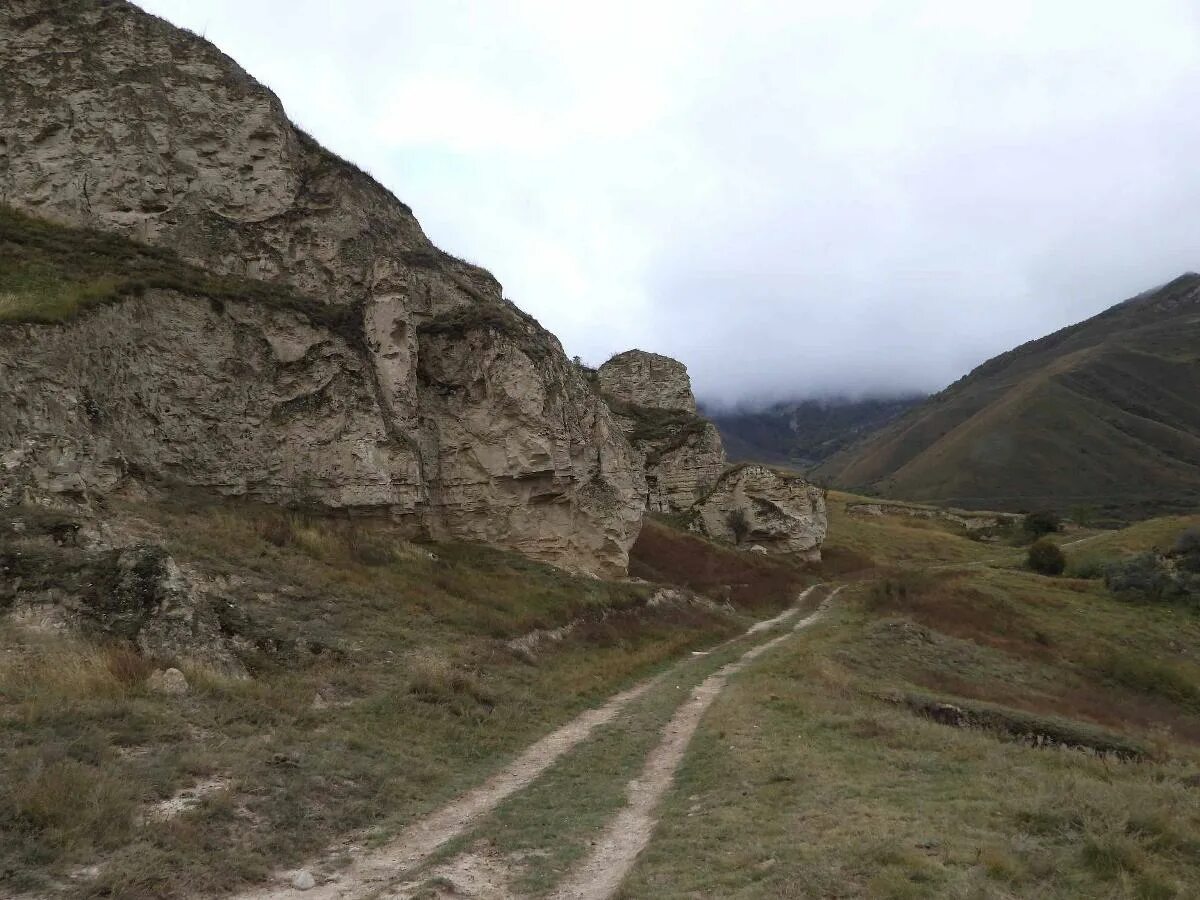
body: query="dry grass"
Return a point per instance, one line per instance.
(804, 781)
(799, 784)
(419, 699)
(956, 604)
(898, 540)
(53, 673)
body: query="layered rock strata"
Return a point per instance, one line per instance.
(428, 396)
(681, 452)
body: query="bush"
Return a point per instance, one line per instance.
(897, 592)
(1149, 676)
(1187, 544)
(738, 524)
(1042, 522)
(1046, 558)
(1141, 577)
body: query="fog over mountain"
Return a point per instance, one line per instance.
(795, 200)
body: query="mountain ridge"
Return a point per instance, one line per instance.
(1099, 413)
(803, 433)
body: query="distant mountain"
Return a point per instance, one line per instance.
(1102, 414)
(803, 433)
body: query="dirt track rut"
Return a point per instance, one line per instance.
(374, 873)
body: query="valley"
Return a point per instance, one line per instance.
(326, 572)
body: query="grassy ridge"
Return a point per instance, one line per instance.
(51, 273)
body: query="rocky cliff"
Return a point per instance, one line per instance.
(424, 394)
(681, 452)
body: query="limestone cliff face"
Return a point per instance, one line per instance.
(439, 402)
(753, 506)
(651, 396)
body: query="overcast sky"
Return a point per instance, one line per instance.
(794, 198)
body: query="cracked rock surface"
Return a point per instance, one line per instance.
(435, 399)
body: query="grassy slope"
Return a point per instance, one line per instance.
(809, 777)
(420, 699)
(1103, 414)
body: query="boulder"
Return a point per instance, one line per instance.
(303, 880)
(170, 681)
(136, 595)
(754, 506)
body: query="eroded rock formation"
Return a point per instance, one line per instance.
(428, 396)
(650, 380)
(754, 506)
(681, 452)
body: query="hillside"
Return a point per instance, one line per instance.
(937, 734)
(805, 432)
(1103, 415)
(339, 679)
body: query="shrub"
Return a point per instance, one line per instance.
(1046, 557)
(434, 679)
(1149, 676)
(1187, 544)
(368, 548)
(1042, 522)
(897, 591)
(1140, 577)
(738, 524)
(277, 530)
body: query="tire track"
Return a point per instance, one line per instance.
(372, 872)
(602, 872)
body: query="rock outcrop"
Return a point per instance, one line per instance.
(754, 506)
(110, 581)
(751, 506)
(651, 380)
(681, 452)
(423, 394)
(138, 594)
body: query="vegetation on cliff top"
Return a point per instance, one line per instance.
(51, 273)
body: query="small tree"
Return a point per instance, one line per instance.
(1046, 557)
(1041, 522)
(738, 524)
